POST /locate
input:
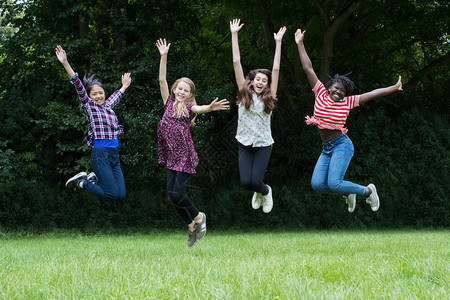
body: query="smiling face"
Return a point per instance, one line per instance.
(97, 94)
(337, 92)
(182, 92)
(259, 83)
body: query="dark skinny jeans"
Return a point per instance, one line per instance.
(253, 162)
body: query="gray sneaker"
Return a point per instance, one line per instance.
(373, 199)
(351, 202)
(256, 200)
(74, 182)
(267, 201)
(200, 228)
(192, 238)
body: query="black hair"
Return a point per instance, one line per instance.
(89, 82)
(350, 87)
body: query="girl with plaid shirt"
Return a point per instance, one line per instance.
(332, 105)
(107, 180)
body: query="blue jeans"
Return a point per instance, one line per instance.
(328, 176)
(106, 165)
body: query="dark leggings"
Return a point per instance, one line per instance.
(176, 187)
(253, 163)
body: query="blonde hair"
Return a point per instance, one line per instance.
(179, 108)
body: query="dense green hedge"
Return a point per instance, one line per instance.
(406, 158)
(401, 141)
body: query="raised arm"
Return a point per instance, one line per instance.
(381, 92)
(163, 48)
(276, 60)
(213, 106)
(126, 81)
(238, 72)
(304, 58)
(62, 57)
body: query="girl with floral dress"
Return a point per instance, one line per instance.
(256, 101)
(333, 102)
(175, 146)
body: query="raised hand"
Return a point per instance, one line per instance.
(62, 57)
(126, 80)
(163, 47)
(299, 35)
(279, 36)
(223, 104)
(399, 84)
(61, 54)
(234, 25)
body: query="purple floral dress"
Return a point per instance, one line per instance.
(175, 146)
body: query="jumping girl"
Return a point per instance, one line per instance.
(256, 100)
(107, 180)
(333, 102)
(175, 146)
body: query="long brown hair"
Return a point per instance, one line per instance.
(179, 108)
(245, 94)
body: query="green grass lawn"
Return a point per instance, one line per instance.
(275, 265)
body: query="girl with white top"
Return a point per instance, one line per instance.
(256, 100)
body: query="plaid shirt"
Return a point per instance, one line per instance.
(103, 123)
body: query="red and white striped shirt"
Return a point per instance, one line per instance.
(329, 114)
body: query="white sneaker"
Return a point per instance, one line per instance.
(373, 199)
(74, 181)
(351, 202)
(92, 177)
(256, 200)
(267, 201)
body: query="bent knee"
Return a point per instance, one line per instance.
(111, 196)
(334, 185)
(317, 185)
(176, 198)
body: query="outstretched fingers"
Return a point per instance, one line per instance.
(162, 46)
(235, 26)
(223, 104)
(126, 79)
(60, 53)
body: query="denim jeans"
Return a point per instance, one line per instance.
(106, 165)
(328, 176)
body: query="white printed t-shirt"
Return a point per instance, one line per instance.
(254, 124)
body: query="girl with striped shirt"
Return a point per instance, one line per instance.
(331, 108)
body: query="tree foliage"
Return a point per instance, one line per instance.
(396, 138)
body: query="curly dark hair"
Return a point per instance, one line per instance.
(89, 82)
(245, 94)
(350, 87)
